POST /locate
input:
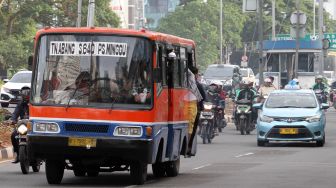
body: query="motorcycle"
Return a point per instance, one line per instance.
(320, 95)
(25, 161)
(220, 122)
(207, 123)
(244, 116)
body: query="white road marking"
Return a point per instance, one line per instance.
(197, 168)
(5, 161)
(243, 155)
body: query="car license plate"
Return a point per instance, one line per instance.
(289, 131)
(82, 142)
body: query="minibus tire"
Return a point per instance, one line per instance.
(54, 171)
(173, 168)
(159, 169)
(139, 172)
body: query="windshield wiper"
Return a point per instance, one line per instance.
(68, 104)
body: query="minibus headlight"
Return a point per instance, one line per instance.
(128, 131)
(46, 127)
(22, 129)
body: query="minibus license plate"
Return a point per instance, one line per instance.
(289, 131)
(82, 142)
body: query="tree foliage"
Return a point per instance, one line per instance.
(20, 19)
(199, 21)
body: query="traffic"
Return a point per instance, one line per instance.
(167, 93)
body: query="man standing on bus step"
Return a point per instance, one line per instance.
(200, 98)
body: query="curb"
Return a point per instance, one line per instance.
(6, 153)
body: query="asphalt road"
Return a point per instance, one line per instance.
(232, 161)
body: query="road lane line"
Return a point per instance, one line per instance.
(197, 168)
(243, 155)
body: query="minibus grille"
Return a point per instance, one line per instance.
(89, 128)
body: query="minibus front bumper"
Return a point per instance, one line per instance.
(123, 149)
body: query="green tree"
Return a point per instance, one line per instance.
(199, 21)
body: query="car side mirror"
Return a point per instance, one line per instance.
(324, 106)
(257, 106)
(5, 80)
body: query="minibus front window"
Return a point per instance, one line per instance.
(118, 71)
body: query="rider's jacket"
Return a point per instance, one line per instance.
(320, 86)
(248, 94)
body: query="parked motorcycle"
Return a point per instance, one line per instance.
(207, 123)
(25, 161)
(244, 116)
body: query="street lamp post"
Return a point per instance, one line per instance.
(221, 32)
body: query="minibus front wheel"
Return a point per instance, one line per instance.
(54, 171)
(139, 172)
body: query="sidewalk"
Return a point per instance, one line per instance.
(6, 153)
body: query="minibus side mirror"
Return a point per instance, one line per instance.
(258, 106)
(157, 75)
(30, 62)
(5, 80)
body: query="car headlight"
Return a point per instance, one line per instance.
(266, 119)
(42, 127)
(22, 129)
(312, 119)
(207, 106)
(128, 131)
(4, 89)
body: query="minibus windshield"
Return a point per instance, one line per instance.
(93, 70)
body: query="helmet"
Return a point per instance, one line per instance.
(244, 84)
(318, 77)
(216, 82)
(25, 93)
(296, 80)
(267, 80)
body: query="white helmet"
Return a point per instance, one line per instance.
(216, 82)
(296, 80)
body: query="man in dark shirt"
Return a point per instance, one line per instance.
(194, 70)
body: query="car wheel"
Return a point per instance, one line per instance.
(261, 143)
(139, 172)
(320, 143)
(4, 105)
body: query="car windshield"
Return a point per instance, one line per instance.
(291, 100)
(244, 72)
(21, 78)
(87, 70)
(219, 72)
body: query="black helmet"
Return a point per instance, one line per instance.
(25, 93)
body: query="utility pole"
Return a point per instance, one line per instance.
(320, 25)
(261, 46)
(273, 20)
(79, 13)
(297, 39)
(221, 32)
(90, 18)
(314, 5)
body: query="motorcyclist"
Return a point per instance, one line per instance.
(21, 111)
(266, 88)
(245, 92)
(319, 85)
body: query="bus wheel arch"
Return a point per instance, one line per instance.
(158, 167)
